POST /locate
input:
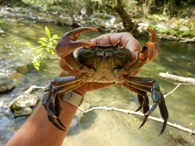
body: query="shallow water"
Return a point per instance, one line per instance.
(100, 128)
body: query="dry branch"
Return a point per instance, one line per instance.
(192, 132)
(190, 81)
(177, 126)
(172, 91)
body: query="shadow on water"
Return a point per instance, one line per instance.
(99, 128)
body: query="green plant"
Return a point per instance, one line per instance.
(192, 116)
(47, 45)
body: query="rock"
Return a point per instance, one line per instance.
(22, 69)
(2, 32)
(23, 112)
(25, 68)
(192, 40)
(6, 84)
(18, 78)
(23, 105)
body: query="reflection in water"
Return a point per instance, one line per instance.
(100, 128)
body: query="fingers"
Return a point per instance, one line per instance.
(126, 40)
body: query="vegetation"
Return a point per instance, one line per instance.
(131, 12)
(176, 15)
(172, 8)
(46, 47)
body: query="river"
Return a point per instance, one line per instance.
(102, 128)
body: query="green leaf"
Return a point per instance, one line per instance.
(46, 47)
(44, 39)
(42, 43)
(55, 37)
(40, 49)
(37, 65)
(52, 51)
(47, 31)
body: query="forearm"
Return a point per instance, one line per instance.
(38, 131)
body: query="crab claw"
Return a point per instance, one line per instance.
(68, 43)
(151, 50)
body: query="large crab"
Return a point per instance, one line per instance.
(104, 64)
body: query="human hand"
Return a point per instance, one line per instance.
(125, 40)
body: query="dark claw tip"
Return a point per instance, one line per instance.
(138, 108)
(144, 121)
(61, 124)
(163, 127)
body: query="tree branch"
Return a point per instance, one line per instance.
(177, 126)
(190, 81)
(126, 18)
(192, 132)
(172, 91)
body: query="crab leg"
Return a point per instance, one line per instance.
(139, 85)
(142, 98)
(56, 88)
(60, 85)
(144, 102)
(141, 95)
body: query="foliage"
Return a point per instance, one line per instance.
(47, 45)
(171, 8)
(118, 7)
(62, 6)
(130, 11)
(192, 116)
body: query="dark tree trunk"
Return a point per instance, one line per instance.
(126, 19)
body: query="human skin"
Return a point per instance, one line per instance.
(37, 130)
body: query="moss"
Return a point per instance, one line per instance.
(177, 32)
(187, 34)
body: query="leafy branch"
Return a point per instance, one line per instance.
(46, 46)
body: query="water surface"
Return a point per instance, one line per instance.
(101, 128)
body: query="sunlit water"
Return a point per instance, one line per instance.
(102, 128)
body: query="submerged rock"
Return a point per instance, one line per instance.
(23, 105)
(6, 84)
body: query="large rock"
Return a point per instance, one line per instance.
(23, 105)
(6, 84)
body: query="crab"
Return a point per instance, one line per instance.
(104, 64)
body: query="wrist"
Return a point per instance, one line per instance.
(73, 98)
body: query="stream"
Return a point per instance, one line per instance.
(100, 127)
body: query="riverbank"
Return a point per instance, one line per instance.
(174, 29)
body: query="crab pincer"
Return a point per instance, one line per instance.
(69, 42)
(151, 50)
